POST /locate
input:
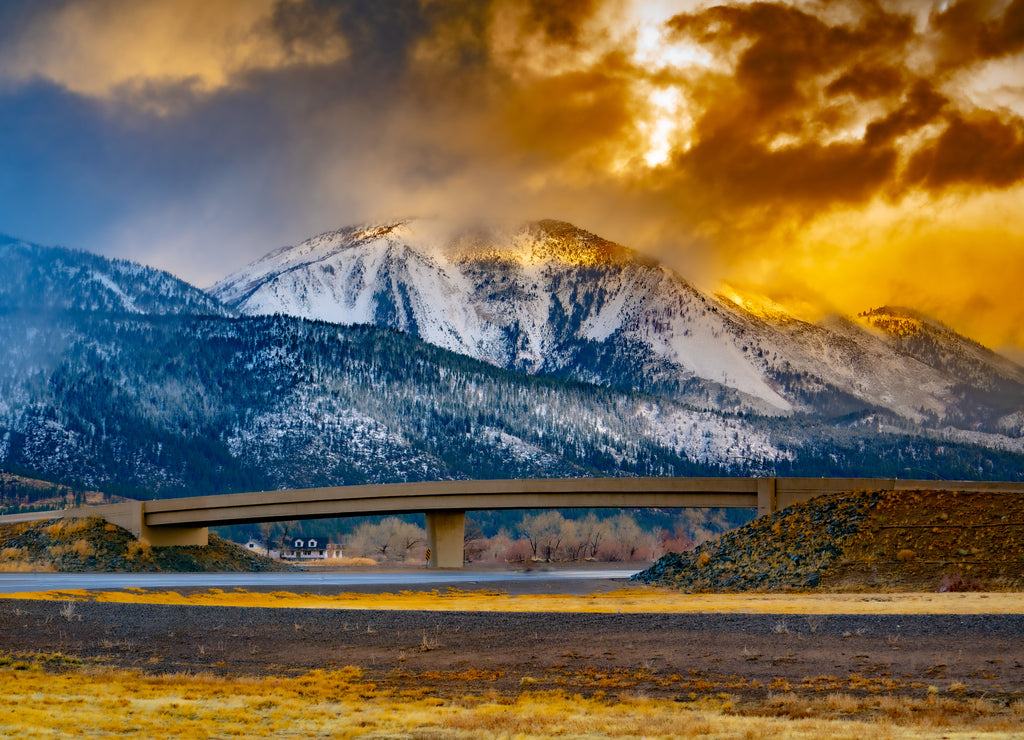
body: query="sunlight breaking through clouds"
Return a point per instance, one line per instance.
(746, 141)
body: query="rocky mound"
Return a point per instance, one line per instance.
(94, 545)
(913, 540)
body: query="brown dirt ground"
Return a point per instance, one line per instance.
(680, 656)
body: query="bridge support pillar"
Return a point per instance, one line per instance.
(767, 500)
(446, 533)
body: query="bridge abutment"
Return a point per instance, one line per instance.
(132, 516)
(446, 535)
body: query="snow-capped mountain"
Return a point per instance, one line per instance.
(125, 378)
(549, 298)
(546, 299)
(54, 278)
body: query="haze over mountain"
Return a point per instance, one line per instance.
(549, 298)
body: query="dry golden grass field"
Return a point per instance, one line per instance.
(626, 600)
(484, 664)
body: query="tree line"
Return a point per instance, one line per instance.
(545, 536)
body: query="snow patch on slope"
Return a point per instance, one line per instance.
(126, 300)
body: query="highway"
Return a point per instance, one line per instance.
(418, 580)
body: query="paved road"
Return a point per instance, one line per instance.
(29, 582)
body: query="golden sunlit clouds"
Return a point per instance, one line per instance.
(843, 156)
(122, 48)
(866, 151)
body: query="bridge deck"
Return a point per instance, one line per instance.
(312, 503)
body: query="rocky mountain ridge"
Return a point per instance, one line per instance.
(549, 298)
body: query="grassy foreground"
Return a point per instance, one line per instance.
(627, 600)
(49, 696)
(53, 695)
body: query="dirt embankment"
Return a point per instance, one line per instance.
(906, 540)
(94, 545)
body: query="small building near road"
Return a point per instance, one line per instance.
(261, 548)
(300, 548)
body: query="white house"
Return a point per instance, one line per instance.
(310, 549)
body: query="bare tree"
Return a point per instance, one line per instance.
(626, 540)
(582, 537)
(285, 529)
(544, 532)
(701, 524)
(574, 542)
(472, 540)
(592, 532)
(266, 532)
(390, 539)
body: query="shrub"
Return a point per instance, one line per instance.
(75, 526)
(356, 561)
(139, 549)
(518, 551)
(56, 529)
(956, 582)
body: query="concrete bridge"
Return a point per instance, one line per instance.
(185, 521)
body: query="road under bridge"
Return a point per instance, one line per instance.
(186, 521)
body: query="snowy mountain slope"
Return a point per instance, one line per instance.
(555, 290)
(170, 403)
(835, 360)
(549, 298)
(54, 278)
(213, 404)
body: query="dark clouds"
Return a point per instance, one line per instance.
(980, 151)
(970, 31)
(799, 80)
(560, 21)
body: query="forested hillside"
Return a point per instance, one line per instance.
(58, 279)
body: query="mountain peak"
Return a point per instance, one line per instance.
(359, 233)
(575, 246)
(896, 321)
(935, 344)
(541, 242)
